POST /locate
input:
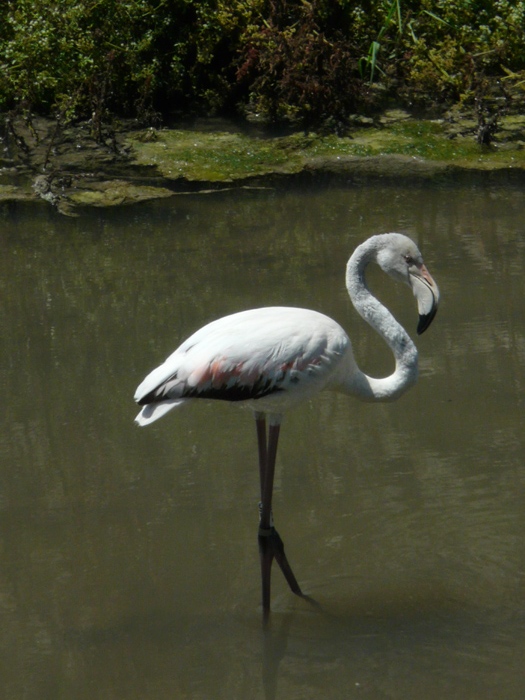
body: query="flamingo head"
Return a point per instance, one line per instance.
(399, 257)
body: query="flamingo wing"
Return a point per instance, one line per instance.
(247, 356)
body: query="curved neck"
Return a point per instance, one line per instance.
(381, 320)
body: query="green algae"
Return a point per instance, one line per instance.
(116, 193)
(228, 157)
(215, 157)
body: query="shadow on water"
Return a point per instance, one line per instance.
(414, 644)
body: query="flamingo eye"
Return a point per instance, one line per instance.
(409, 260)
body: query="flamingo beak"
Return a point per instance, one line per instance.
(426, 292)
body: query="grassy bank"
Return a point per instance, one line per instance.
(198, 155)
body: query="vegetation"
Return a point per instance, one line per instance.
(195, 156)
(313, 62)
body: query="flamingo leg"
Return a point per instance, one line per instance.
(260, 423)
(270, 544)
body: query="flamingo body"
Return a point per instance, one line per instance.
(271, 358)
(268, 359)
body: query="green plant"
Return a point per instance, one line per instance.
(310, 61)
(370, 61)
(131, 57)
(299, 68)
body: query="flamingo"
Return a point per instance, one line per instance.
(270, 359)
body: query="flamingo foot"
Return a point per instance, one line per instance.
(271, 547)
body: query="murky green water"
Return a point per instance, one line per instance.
(128, 558)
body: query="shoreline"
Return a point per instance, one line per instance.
(64, 167)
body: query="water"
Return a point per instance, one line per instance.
(128, 557)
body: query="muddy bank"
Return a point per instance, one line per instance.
(65, 167)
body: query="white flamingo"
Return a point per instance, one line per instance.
(270, 359)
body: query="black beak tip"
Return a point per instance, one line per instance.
(425, 320)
